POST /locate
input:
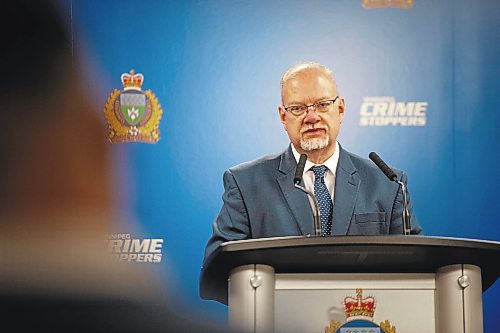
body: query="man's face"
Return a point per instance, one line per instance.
(313, 131)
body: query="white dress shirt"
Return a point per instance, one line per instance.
(308, 175)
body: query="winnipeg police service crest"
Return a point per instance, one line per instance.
(133, 115)
(359, 313)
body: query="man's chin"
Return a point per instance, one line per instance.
(314, 143)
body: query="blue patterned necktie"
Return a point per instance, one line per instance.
(324, 199)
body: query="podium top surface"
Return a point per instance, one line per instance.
(348, 254)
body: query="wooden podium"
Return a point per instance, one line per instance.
(299, 284)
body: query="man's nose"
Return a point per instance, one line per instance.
(311, 115)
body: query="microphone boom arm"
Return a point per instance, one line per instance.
(406, 212)
(317, 217)
(392, 177)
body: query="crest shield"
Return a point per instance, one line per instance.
(132, 107)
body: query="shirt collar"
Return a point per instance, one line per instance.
(331, 163)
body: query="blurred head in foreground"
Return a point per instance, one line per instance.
(55, 196)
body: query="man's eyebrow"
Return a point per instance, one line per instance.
(296, 103)
(318, 100)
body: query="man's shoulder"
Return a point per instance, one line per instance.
(263, 162)
(367, 166)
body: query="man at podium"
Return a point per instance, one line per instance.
(354, 197)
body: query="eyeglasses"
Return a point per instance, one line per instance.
(321, 106)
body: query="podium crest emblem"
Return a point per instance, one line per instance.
(133, 115)
(359, 313)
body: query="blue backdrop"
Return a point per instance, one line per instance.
(215, 67)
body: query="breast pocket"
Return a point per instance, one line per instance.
(370, 217)
(369, 224)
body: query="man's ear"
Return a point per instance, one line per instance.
(282, 112)
(341, 108)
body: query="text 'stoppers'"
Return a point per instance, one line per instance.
(133, 115)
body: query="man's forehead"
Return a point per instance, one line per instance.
(306, 83)
(308, 78)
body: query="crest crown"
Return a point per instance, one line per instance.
(359, 306)
(132, 81)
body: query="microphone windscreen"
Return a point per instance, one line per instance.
(382, 166)
(300, 169)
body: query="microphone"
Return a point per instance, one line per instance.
(392, 176)
(300, 169)
(296, 181)
(382, 166)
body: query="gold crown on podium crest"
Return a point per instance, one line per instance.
(359, 306)
(133, 115)
(359, 313)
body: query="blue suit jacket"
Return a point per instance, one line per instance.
(260, 201)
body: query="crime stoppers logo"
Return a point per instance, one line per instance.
(386, 111)
(125, 248)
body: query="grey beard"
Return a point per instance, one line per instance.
(314, 143)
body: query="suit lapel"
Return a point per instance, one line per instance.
(346, 189)
(296, 199)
